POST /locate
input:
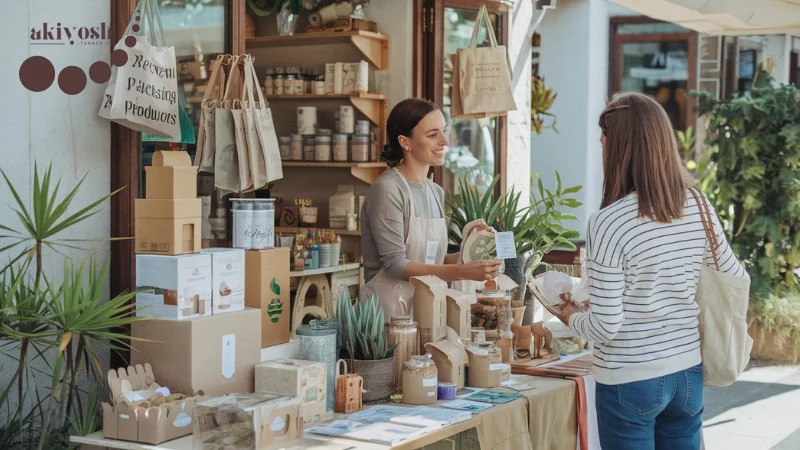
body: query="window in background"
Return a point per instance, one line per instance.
(199, 32)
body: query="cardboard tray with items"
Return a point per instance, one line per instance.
(196, 363)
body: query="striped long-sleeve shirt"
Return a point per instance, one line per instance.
(642, 282)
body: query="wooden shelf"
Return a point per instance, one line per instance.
(373, 46)
(359, 165)
(367, 172)
(296, 230)
(341, 268)
(364, 95)
(371, 105)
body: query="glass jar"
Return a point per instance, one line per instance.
(340, 147)
(242, 221)
(299, 84)
(280, 81)
(322, 149)
(402, 330)
(269, 82)
(359, 149)
(419, 380)
(285, 148)
(263, 226)
(308, 148)
(296, 147)
(493, 311)
(288, 84)
(319, 84)
(494, 352)
(325, 132)
(477, 334)
(362, 127)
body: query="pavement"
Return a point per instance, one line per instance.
(761, 411)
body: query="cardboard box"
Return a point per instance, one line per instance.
(227, 279)
(330, 78)
(482, 372)
(267, 289)
(430, 308)
(171, 175)
(174, 287)
(252, 418)
(168, 227)
(340, 205)
(450, 358)
(152, 425)
(305, 380)
(459, 312)
(213, 354)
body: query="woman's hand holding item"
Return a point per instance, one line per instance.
(568, 308)
(480, 270)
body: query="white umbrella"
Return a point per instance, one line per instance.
(724, 17)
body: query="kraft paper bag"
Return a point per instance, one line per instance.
(484, 76)
(206, 136)
(227, 163)
(265, 157)
(143, 93)
(242, 151)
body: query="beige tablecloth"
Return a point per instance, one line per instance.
(505, 427)
(553, 412)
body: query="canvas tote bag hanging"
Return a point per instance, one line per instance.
(261, 136)
(206, 137)
(484, 76)
(143, 93)
(231, 165)
(723, 300)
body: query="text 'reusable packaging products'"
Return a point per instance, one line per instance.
(173, 287)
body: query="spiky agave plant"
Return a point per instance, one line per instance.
(361, 331)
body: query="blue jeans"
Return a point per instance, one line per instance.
(662, 413)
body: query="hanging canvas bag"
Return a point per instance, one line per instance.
(484, 74)
(723, 300)
(231, 171)
(206, 137)
(145, 89)
(265, 155)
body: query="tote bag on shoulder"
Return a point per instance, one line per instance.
(723, 299)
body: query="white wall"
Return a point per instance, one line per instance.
(52, 127)
(395, 19)
(519, 121)
(778, 46)
(574, 62)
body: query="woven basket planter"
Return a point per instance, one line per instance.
(378, 378)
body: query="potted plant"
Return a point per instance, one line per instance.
(364, 342)
(537, 227)
(53, 326)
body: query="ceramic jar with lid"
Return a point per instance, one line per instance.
(285, 148)
(420, 380)
(340, 153)
(359, 149)
(296, 144)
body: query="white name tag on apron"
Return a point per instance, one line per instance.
(430, 252)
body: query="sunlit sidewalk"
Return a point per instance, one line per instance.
(761, 411)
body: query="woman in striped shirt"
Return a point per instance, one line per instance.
(645, 249)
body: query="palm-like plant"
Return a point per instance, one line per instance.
(537, 227)
(70, 317)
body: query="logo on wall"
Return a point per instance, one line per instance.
(37, 73)
(58, 34)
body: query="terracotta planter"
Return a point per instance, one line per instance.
(769, 345)
(378, 378)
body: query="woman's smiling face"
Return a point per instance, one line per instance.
(428, 141)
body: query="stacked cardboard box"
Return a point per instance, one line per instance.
(168, 219)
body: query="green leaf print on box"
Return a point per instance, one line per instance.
(275, 307)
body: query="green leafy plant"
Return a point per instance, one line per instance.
(360, 329)
(542, 99)
(266, 7)
(686, 140)
(63, 325)
(537, 227)
(753, 178)
(777, 315)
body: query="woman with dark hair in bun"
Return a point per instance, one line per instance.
(404, 233)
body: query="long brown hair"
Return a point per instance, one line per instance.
(641, 155)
